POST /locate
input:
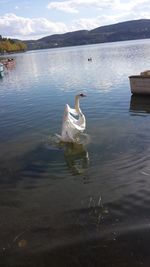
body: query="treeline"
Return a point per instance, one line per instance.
(9, 45)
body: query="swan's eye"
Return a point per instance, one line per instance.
(82, 95)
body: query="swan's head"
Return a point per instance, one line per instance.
(81, 95)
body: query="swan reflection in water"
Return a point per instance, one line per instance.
(76, 157)
(140, 104)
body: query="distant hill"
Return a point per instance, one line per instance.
(128, 30)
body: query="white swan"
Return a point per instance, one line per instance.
(73, 122)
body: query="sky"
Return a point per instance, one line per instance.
(33, 19)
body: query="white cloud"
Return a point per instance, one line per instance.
(33, 28)
(91, 23)
(67, 6)
(73, 6)
(132, 5)
(19, 27)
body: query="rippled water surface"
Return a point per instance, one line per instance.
(75, 205)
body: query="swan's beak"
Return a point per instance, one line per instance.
(84, 95)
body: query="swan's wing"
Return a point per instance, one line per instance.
(71, 110)
(72, 126)
(67, 126)
(80, 122)
(77, 124)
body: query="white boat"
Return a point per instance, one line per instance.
(1, 67)
(1, 70)
(140, 84)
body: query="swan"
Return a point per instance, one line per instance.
(73, 123)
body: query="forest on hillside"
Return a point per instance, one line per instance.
(9, 45)
(122, 31)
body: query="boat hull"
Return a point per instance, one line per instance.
(1, 70)
(140, 84)
(1, 67)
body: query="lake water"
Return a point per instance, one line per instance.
(75, 205)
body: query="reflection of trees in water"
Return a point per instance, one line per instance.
(76, 157)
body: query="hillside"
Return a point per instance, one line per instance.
(129, 30)
(9, 45)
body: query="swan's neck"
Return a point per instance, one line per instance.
(77, 105)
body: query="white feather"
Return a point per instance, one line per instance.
(73, 124)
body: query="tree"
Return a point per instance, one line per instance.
(10, 45)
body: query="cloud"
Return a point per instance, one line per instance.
(72, 6)
(67, 6)
(91, 23)
(86, 23)
(19, 27)
(26, 28)
(132, 5)
(110, 11)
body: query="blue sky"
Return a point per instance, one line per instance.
(33, 19)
